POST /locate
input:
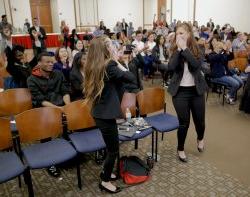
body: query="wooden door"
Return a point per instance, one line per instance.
(41, 9)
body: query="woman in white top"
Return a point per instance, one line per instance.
(187, 86)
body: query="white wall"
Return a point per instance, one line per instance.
(111, 11)
(66, 12)
(235, 12)
(150, 9)
(20, 11)
(2, 10)
(183, 9)
(55, 15)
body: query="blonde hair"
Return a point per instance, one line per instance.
(95, 68)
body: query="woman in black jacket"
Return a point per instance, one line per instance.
(77, 76)
(103, 90)
(160, 57)
(187, 86)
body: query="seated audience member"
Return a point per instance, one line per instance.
(226, 34)
(38, 36)
(148, 59)
(196, 29)
(240, 43)
(79, 47)
(245, 100)
(139, 45)
(77, 76)
(18, 67)
(122, 39)
(48, 89)
(62, 62)
(73, 39)
(218, 59)
(98, 32)
(160, 57)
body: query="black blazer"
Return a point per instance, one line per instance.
(41, 37)
(108, 106)
(156, 54)
(176, 64)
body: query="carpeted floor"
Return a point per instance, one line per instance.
(222, 170)
(169, 178)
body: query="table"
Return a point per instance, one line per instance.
(52, 40)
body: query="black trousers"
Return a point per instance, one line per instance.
(187, 100)
(109, 131)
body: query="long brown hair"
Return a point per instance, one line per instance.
(191, 42)
(94, 69)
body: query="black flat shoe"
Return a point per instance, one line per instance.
(118, 189)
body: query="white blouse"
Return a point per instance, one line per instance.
(187, 78)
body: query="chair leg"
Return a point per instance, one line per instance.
(162, 136)
(79, 174)
(28, 181)
(153, 144)
(156, 145)
(19, 182)
(118, 165)
(136, 144)
(224, 93)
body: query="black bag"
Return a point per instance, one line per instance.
(133, 170)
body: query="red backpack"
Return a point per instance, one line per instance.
(133, 170)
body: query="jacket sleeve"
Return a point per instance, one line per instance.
(65, 86)
(174, 61)
(37, 96)
(194, 63)
(76, 84)
(114, 73)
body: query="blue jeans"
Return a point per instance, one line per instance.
(233, 82)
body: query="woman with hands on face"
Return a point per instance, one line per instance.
(187, 86)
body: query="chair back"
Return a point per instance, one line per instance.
(78, 115)
(5, 134)
(241, 54)
(151, 100)
(39, 123)
(15, 101)
(128, 101)
(241, 63)
(3, 74)
(231, 64)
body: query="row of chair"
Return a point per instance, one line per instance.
(40, 123)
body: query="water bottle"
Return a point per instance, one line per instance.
(128, 115)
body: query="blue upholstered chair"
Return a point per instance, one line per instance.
(43, 123)
(152, 100)
(10, 164)
(79, 118)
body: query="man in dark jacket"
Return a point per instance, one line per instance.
(38, 36)
(48, 89)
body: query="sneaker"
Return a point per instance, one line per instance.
(231, 101)
(53, 171)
